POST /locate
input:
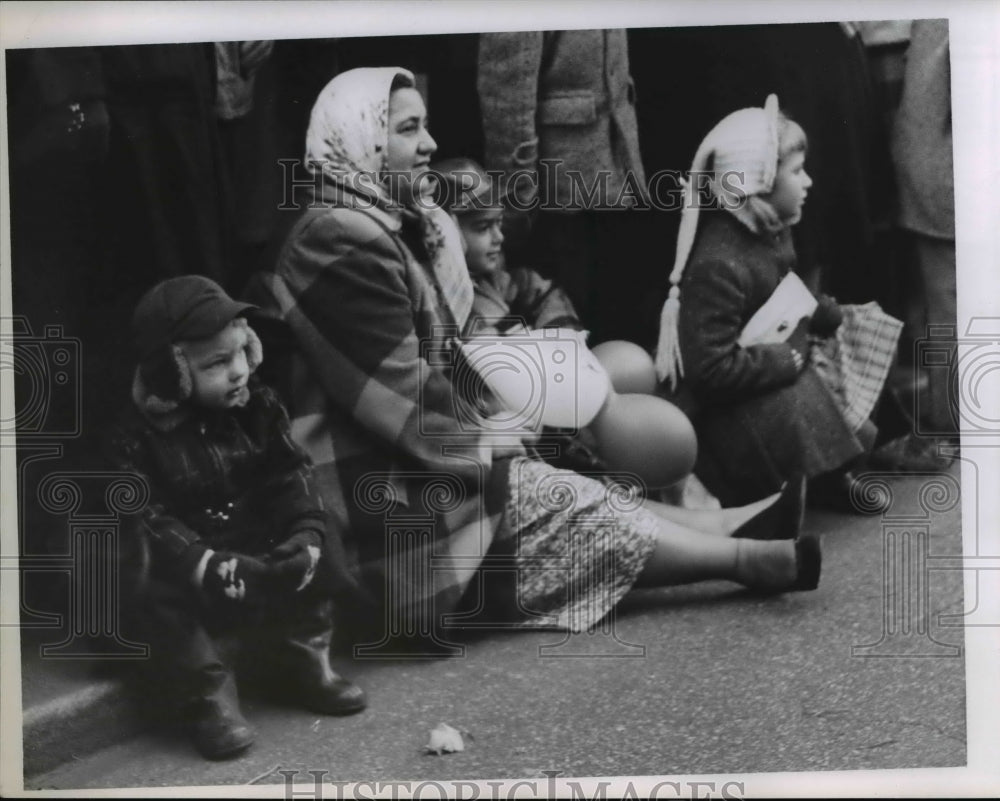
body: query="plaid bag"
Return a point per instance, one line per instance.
(855, 363)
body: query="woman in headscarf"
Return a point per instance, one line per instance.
(438, 512)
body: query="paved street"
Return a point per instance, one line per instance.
(701, 679)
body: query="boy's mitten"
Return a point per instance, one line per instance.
(798, 341)
(294, 562)
(827, 317)
(236, 577)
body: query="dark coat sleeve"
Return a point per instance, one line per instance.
(714, 309)
(175, 547)
(541, 302)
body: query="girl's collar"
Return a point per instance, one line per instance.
(742, 213)
(748, 221)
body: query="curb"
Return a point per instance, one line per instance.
(78, 722)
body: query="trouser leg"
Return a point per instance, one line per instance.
(190, 668)
(300, 632)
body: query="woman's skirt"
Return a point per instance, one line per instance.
(574, 546)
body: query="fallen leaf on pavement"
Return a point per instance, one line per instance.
(444, 740)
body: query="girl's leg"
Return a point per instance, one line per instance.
(684, 556)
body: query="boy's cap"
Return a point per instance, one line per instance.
(186, 307)
(463, 186)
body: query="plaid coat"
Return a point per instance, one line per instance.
(400, 459)
(231, 480)
(759, 421)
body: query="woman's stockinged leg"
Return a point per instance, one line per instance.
(684, 556)
(719, 522)
(727, 522)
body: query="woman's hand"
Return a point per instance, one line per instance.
(503, 435)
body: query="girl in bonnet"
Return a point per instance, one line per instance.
(794, 402)
(373, 287)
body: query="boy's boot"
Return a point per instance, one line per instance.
(218, 729)
(308, 678)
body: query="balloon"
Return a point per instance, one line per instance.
(648, 436)
(547, 375)
(629, 367)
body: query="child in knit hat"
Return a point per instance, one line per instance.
(235, 527)
(793, 402)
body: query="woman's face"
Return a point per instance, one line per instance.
(410, 147)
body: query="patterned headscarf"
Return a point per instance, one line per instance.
(348, 141)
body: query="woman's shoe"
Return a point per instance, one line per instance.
(808, 562)
(780, 566)
(782, 520)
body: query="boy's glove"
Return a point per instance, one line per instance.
(294, 562)
(235, 577)
(798, 341)
(827, 317)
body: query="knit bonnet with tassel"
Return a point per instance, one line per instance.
(743, 152)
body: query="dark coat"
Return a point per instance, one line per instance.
(232, 480)
(759, 421)
(506, 299)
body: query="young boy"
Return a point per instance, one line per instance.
(234, 525)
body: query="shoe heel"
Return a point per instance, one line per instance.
(809, 562)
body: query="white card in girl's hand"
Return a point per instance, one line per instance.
(777, 318)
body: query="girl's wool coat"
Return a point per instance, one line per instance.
(759, 420)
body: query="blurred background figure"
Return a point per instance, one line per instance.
(246, 109)
(922, 153)
(558, 109)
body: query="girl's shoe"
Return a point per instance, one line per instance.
(844, 492)
(782, 520)
(911, 454)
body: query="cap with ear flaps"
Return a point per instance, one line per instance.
(187, 307)
(743, 145)
(184, 307)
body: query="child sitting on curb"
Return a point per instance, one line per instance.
(235, 527)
